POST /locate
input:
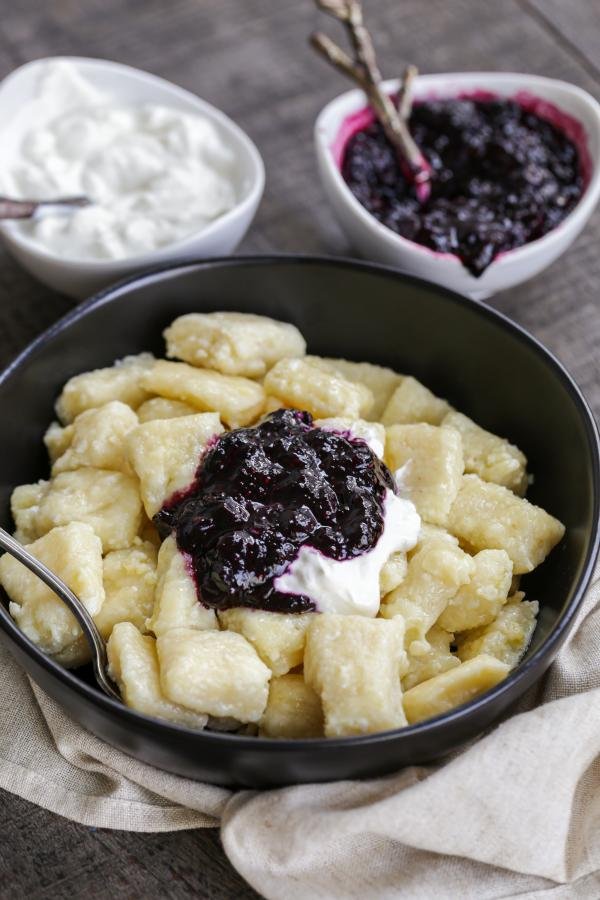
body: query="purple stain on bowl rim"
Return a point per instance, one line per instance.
(508, 170)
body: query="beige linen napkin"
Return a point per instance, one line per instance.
(516, 814)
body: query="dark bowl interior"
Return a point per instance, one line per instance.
(485, 365)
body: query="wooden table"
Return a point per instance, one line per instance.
(250, 58)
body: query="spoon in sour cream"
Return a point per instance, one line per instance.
(28, 209)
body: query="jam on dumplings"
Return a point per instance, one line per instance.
(262, 493)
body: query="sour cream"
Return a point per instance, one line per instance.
(351, 586)
(155, 174)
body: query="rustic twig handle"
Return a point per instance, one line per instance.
(364, 71)
(404, 99)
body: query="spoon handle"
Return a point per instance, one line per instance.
(88, 626)
(26, 209)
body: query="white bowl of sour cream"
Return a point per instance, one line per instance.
(170, 176)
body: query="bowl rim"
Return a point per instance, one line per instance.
(179, 247)
(429, 727)
(484, 79)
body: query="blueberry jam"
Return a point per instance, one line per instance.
(502, 176)
(262, 493)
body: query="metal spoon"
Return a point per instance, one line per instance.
(88, 626)
(27, 209)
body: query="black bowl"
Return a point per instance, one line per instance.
(484, 364)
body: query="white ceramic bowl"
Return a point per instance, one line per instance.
(81, 277)
(580, 117)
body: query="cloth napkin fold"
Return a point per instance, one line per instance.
(516, 814)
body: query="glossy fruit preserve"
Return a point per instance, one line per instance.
(261, 493)
(502, 176)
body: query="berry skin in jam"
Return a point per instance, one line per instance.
(262, 493)
(502, 177)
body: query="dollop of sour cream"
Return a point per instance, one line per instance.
(351, 586)
(155, 174)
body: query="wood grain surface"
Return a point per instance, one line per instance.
(250, 58)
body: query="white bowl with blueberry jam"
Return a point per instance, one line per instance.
(515, 161)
